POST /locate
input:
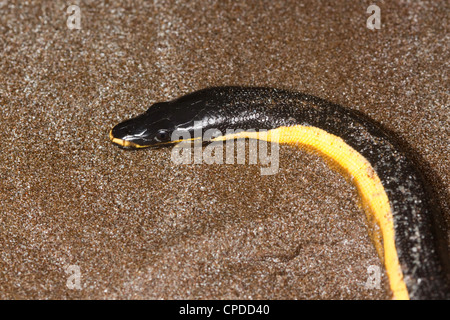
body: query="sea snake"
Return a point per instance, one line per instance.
(394, 194)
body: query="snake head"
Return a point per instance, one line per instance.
(150, 129)
(164, 124)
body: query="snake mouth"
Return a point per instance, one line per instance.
(128, 145)
(125, 144)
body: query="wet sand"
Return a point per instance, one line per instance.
(140, 227)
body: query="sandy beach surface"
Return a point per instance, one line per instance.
(134, 225)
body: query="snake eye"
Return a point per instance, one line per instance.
(162, 135)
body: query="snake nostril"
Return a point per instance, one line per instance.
(119, 131)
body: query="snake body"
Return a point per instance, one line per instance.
(394, 193)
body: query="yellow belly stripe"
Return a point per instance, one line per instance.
(360, 171)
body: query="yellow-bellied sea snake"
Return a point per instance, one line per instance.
(392, 189)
